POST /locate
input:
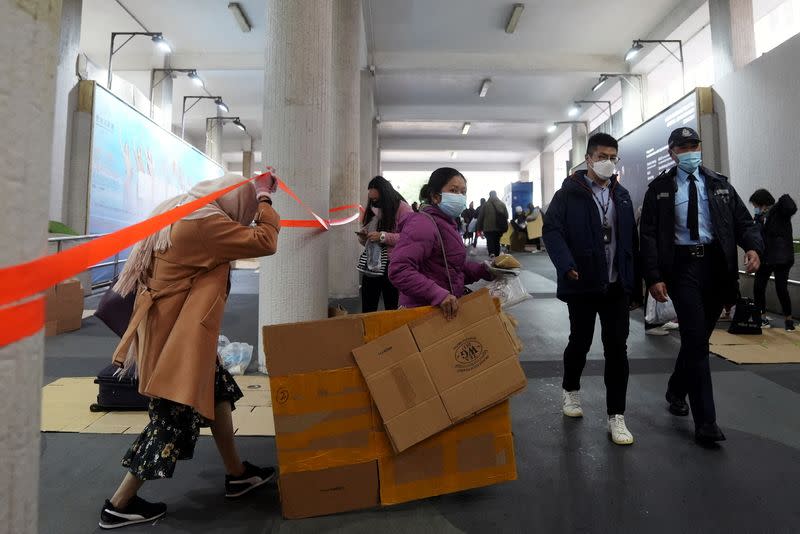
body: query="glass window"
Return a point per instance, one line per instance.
(776, 21)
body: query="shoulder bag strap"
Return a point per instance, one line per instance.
(444, 254)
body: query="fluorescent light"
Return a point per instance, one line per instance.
(453, 155)
(238, 124)
(599, 84)
(465, 129)
(196, 78)
(574, 110)
(162, 43)
(240, 16)
(485, 87)
(552, 128)
(221, 105)
(634, 51)
(514, 19)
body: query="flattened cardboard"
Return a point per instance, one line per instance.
(488, 388)
(432, 328)
(315, 346)
(418, 423)
(401, 387)
(63, 307)
(329, 491)
(744, 354)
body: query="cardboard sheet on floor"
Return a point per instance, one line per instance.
(66, 401)
(723, 337)
(747, 354)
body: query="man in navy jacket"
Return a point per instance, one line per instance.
(590, 233)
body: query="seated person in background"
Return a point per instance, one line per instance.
(774, 219)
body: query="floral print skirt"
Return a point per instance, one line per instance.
(172, 432)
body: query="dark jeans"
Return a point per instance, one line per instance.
(493, 242)
(781, 287)
(372, 287)
(613, 309)
(696, 290)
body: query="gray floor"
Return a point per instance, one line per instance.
(571, 477)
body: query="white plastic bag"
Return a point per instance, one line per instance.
(507, 287)
(659, 312)
(236, 357)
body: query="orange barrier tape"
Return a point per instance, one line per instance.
(25, 279)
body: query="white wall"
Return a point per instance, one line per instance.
(759, 120)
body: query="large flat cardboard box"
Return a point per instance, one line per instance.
(432, 373)
(63, 308)
(333, 450)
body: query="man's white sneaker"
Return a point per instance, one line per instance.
(572, 403)
(619, 432)
(657, 331)
(670, 326)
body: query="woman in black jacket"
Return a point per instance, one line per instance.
(775, 221)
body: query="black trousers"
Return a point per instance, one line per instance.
(613, 309)
(493, 242)
(697, 291)
(372, 287)
(781, 287)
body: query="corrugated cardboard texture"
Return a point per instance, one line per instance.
(63, 307)
(495, 385)
(478, 452)
(433, 327)
(758, 353)
(324, 419)
(329, 491)
(316, 346)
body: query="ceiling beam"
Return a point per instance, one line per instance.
(461, 166)
(204, 61)
(457, 143)
(500, 114)
(528, 63)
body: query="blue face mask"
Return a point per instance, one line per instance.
(453, 204)
(690, 161)
(757, 211)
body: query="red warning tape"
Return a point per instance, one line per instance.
(23, 280)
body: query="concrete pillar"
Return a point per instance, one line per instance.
(297, 79)
(733, 36)
(376, 147)
(66, 102)
(343, 278)
(247, 163)
(547, 163)
(29, 38)
(214, 139)
(632, 104)
(580, 136)
(367, 122)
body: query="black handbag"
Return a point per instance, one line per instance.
(746, 319)
(115, 311)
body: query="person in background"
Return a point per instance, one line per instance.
(468, 215)
(519, 237)
(415, 207)
(180, 277)
(478, 211)
(532, 214)
(429, 263)
(692, 222)
(774, 219)
(385, 208)
(590, 233)
(493, 222)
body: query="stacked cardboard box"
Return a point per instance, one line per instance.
(63, 308)
(334, 453)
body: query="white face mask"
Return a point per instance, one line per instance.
(604, 169)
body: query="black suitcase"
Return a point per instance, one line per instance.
(118, 395)
(746, 319)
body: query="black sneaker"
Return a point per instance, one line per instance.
(789, 325)
(137, 511)
(765, 323)
(252, 478)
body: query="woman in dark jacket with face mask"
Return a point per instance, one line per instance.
(775, 221)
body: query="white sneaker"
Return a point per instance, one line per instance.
(670, 325)
(572, 403)
(619, 432)
(657, 331)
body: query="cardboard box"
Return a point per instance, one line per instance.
(334, 454)
(63, 308)
(432, 373)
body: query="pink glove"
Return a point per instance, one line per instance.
(267, 183)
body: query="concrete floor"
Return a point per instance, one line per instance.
(571, 477)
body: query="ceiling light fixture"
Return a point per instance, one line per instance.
(485, 87)
(638, 44)
(453, 155)
(197, 98)
(600, 83)
(156, 37)
(196, 78)
(574, 110)
(240, 16)
(516, 13)
(634, 50)
(552, 128)
(221, 105)
(465, 128)
(238, 124)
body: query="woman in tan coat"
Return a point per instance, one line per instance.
(180, 276)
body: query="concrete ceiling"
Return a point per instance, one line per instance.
(430, 58)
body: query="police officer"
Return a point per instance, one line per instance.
(692, 221)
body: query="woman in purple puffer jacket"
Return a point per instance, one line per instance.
(424, 273)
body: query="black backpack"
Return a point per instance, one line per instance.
(500, 220)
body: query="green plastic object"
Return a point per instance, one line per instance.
(55, 227)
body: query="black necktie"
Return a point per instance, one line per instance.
(691, 217)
